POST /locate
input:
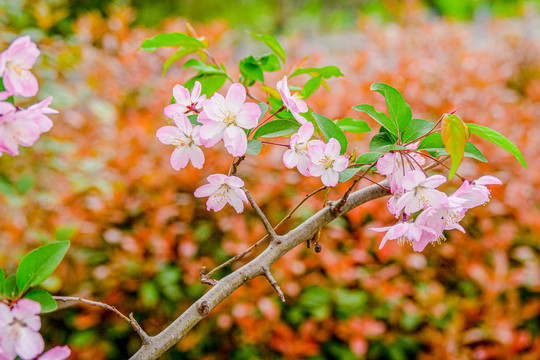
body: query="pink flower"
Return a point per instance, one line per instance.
(411, 233)
(19, 329)
(396, 165)
(17, 128)
(226, 118)
(15, 64)
(326, 162)
(186, 103)
(293, 102)
(186, 139)
(476, 193)
(38, 112)
(297, 154)
(222, 189)
(420, 192)
(56, 353)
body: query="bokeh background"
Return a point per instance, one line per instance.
(139, 238)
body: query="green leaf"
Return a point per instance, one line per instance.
(264, 110)
(10, 287)
(46, 300)
(454, 134)
(325, 72)
(193, 120)
(330, 130)
(353, 126)
(369, 157)
(205, 69)
(253, 147)
(270, 63)
(497, 139)
(277, 128)
(272, 44)
(180, 53)
(416, 129)
(311, 86)
(347, 174)
(434, 145)
(39, 264)
(379, 117)
(2, 280)
(383, 142)
(399, 111)
(250, 68)
(209, 83)
(170, 39)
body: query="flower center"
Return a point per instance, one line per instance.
(301, 147)
(229, 118)
(296, 96)
(17, 68)
(327, 162)
(221, 195)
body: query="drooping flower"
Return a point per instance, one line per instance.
(476, 193)
(327, 162)
(420, 192)
(411, 233)
(16, 128)
(15, 64)
(222, 189)
(186, 140)
(294, 102)
(186, 102)
(226, 118)
(19, 329)
(395, 165)
(297, 154)
(56, 353)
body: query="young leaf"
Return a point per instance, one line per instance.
(399, 111)
(379, 117)
(330, 130)
(250, 68)
(454, 134)
(310, 87)
(10, 287)
(434, 145)
(39, 264)
(277, 128)
(180, 53)
(353, 126)
(272, 44)
(383, 142)
(170, 39)
(253, 147)
(497, 139)
(270, 63)
(325, 72)
(47, 302)
(205, 69)
(416, 129)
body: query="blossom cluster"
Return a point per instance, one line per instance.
(423, 212)
(230, 119)
(21, 127)
(19, 333)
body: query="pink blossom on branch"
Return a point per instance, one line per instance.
(186, 139)
(420, 192)
(395, 165)
(410, 233)
(56, 353)
(16, 128)
(15, 64)
(226, 118)
(476, 193)
(222, 189)
(19, 330)
(327, 162)
(297, 154)
(186, 102)
(293, 102)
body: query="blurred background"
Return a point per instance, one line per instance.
(140, 238)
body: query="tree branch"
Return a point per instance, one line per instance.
(273, 282)
(178, 329)
(267, 225)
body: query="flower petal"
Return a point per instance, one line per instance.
(236, 97)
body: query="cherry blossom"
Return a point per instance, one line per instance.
(15, 64)
(226, 118)
(395, 165)
(19, 329)
(222, 189)
(56, 353)
(297, 154)
(17, 128)
(293, 102)
(186, 102)
(476, 193)
(327, 162)
(186, 140)
(420, 192)
(412, 233)
(38, 112)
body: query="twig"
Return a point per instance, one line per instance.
(205, 277)
(234, 165)
(273, 143)
(273, 282)
(268, 118)
(131, 320)
(337, 207)
(266, 223)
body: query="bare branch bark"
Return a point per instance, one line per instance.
(267, 225)
(274, 283)
(178, 329)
